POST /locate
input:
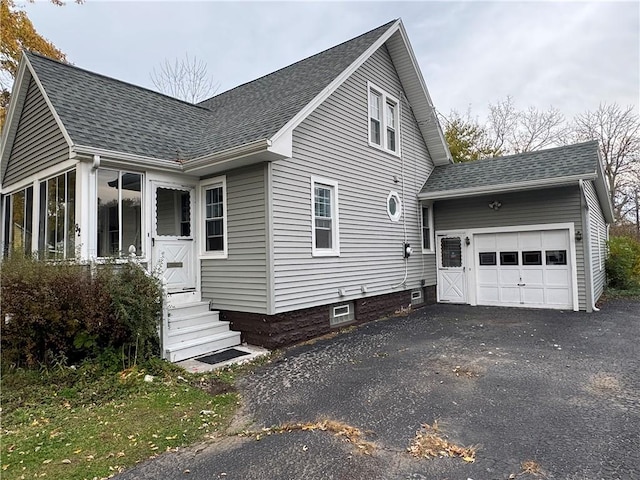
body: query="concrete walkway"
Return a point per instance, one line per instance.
(558, 389)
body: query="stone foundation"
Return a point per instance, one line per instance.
(282, 329)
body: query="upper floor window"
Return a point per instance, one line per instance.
(325, 235)
(384, 120)
(214, 225)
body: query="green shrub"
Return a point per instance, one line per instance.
(623, 263)
(56, 313)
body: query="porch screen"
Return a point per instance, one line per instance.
(57, 218)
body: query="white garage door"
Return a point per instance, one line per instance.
(527, 269)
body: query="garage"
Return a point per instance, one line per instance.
(524, 268)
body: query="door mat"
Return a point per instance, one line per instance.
(222, 356)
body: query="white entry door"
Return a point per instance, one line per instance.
(451, 269)
(173, 242)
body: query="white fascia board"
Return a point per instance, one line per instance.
(227, 155)
(61, 126)
(504, 188)
(425, 91)
(126, 160)
(11, 121)
(602, 190)
(333, 86)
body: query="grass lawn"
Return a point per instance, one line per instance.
(91, 422)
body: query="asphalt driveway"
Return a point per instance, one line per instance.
(561, 389)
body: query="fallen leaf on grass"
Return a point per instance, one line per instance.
(66, 461)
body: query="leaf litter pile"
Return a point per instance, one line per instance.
(352, 434)
(431, 442)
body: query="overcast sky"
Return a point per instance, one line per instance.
(567, 54)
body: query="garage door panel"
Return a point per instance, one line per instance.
(530, 241)
(557, 277)
(542, 278)
(533, 296)
(532, 276)
(510, 295)
(508, 277)
(558, 296)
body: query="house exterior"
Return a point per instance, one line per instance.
(311, 198)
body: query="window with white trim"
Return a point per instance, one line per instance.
(18, 221)
(426, 223)
(119, 212)
(214, 218)
(384, 120)
(394, 206)
(341, 314)
(324, 207)
(57, 217)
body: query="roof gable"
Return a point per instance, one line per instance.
(103, 114)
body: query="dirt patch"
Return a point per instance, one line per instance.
(214, 386)
(431, 442)
(529, 467)
(458, 369)
(605, 383)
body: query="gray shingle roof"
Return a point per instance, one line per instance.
(572, 160)
(102, 112)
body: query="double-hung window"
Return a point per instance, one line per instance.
(57, 217)
(384, 120)
(214, 219)
(119, 212)
(426, 221)
(325, 232)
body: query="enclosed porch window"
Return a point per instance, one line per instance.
(119, 212)
(57, 217)
(18, 217)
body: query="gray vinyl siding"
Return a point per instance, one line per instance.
(332, 143)
(39, 142)
(239, 282)
(553, 205)
(597, 239)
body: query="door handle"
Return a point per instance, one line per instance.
(153, 242)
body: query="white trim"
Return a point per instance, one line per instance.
(334, 251)
(505, 187)
(338, 315)
(61, 126)
(471, 278)
(269, 238)
(45, 174)
(225, 156)
(214, 182)
(384, 98)
(126, 161)
(396, 216)
(333, 86)
(432, 237)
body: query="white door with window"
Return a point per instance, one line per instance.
(173, 245)
(451, 268)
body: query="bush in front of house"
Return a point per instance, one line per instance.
(65, 312)
(623, 263)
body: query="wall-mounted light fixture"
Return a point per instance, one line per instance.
(467, 241)
(578, 235)
(495, 205)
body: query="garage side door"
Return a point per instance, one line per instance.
(527, 269)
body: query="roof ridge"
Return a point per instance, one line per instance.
(525, 154)
(113, 79)
(388, 25)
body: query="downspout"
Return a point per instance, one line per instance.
(586, 248)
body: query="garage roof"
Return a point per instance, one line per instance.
(525, 171)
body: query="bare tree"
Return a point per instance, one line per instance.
(185, 78)
(517, 131)
(617, 130)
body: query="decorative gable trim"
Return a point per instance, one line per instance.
(25, 74)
